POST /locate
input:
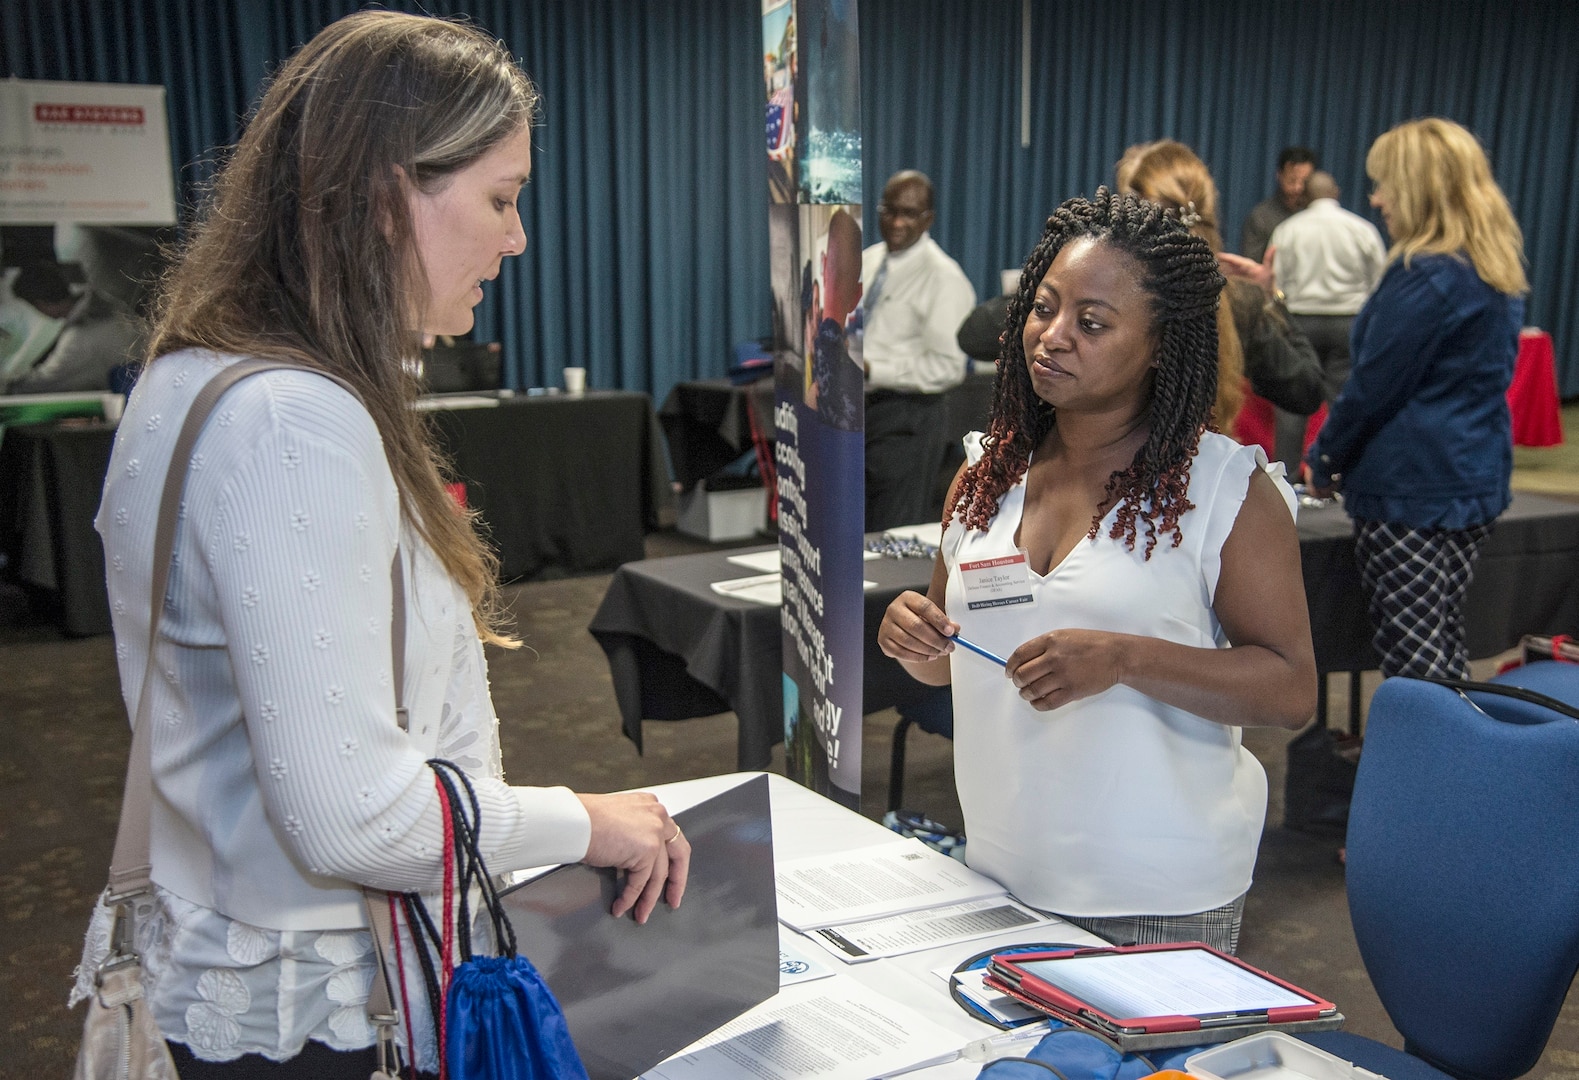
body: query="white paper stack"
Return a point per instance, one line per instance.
(894, 898)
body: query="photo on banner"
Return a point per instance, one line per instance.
(829, 63)
(780, 71)
(791, 279)
(819, 452)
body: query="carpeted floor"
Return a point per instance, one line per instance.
(63, 741)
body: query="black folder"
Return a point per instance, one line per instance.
(634, 995)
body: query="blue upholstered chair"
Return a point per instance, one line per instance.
(1550, 677)
(1463, 878)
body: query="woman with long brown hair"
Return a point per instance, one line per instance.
(1139, 571)
(1257, 341)
(371, 195)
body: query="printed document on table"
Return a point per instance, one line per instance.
(458, 401)
(913, 931)
(871, 882)
(831, 1029)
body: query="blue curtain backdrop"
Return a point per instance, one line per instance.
(1235, 79)
(647, 252)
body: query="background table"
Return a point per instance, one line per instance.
(565, 484)
(677, 649)
(51, 475)
(709, 423)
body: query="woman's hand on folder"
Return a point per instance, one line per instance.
(634, 833)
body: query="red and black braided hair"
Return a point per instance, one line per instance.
(1180, 276)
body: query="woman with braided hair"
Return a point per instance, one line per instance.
(1140, 572)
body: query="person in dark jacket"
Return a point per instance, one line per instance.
(1419, 439)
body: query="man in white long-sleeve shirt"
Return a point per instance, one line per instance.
(915, 299)
(1326, 261)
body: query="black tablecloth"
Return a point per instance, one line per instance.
(677, 649)
(708, 422)
(50, 479)
(565, 485)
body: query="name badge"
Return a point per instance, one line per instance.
(997, 582)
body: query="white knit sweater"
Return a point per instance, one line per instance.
(282, 781)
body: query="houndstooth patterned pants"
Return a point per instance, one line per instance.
(1218, 927)
(1416, 580)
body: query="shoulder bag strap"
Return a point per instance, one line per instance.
(381, 1011)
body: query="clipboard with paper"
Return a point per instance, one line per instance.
(1147, 997)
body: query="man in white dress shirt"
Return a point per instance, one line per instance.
(915, 299)
(1325, 260)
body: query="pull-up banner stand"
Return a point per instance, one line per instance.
(811, 62)
(94, 153)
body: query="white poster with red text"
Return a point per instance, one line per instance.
(91, 153)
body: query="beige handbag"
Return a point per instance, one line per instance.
(120, 1040)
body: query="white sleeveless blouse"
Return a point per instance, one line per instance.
(1116, 804)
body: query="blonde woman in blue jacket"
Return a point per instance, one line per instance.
(1420, 440)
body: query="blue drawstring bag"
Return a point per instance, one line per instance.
(501, 1021)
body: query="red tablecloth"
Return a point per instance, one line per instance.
(1532, 398)
(1256, 423)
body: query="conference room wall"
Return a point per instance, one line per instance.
(646, 216)
(648, 255)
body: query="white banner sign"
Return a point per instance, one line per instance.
(93, 153)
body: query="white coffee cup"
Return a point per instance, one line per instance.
(113, 405)
(575, 380)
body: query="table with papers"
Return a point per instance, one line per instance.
(841, 1017)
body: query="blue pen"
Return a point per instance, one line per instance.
(979, 651)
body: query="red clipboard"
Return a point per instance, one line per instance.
(1029, 978)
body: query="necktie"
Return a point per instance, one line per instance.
(875, 290)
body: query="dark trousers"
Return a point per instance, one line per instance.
(905, 443)
(1329, 336)
(315, 1062)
